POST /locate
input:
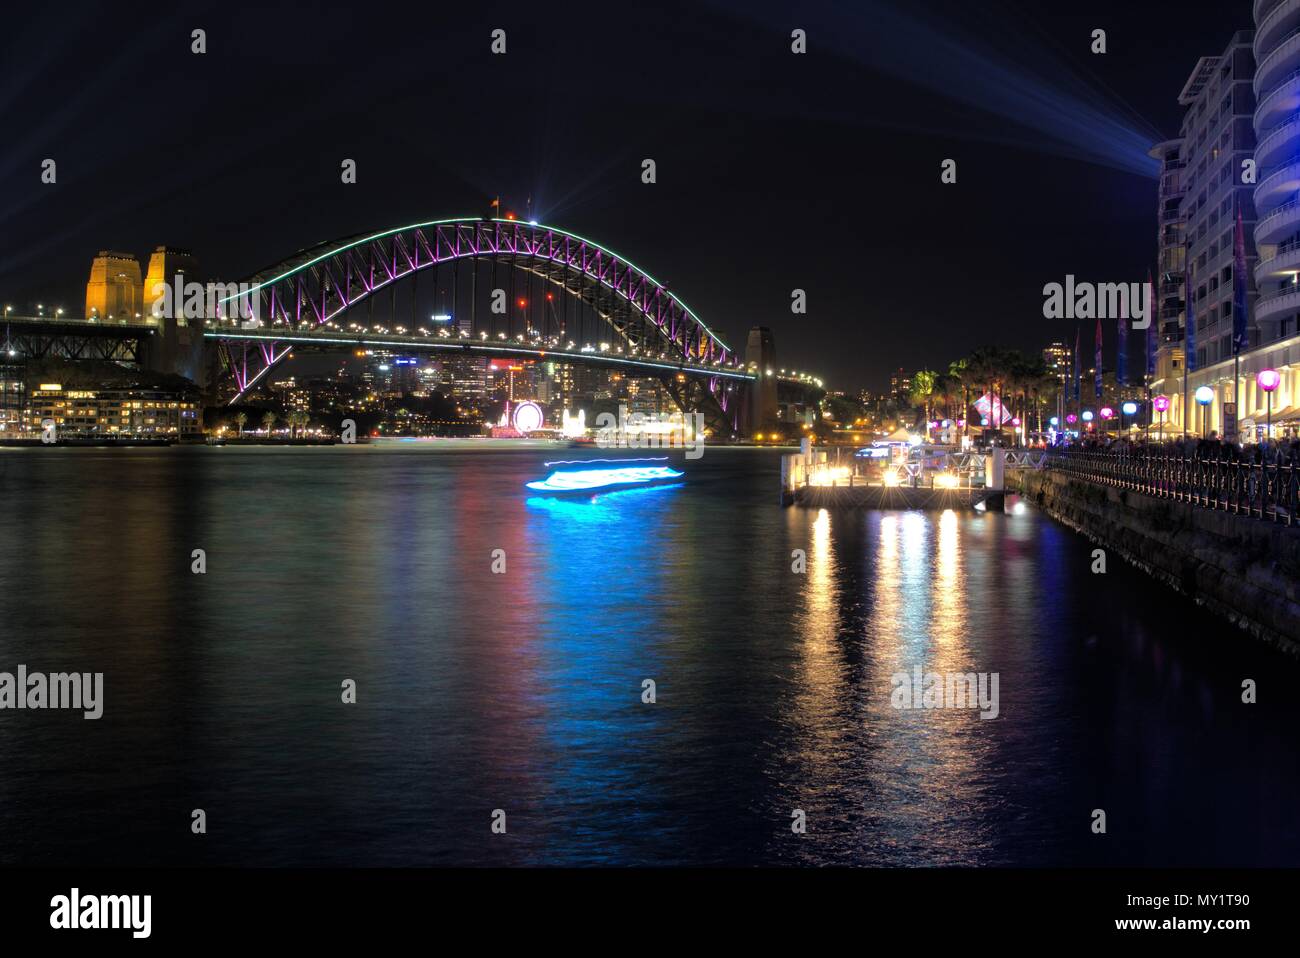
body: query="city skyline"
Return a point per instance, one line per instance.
(532, 459)
(748, 177)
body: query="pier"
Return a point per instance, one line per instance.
(937, 479)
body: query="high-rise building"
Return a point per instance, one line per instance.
(1058, 361)
(900, 386)
(467, 377)
(1218, 138)
(1215, 152)
(114, 292)
(1171, 259)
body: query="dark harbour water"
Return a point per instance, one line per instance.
(522, 691)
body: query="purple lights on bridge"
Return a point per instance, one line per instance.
(321, 284)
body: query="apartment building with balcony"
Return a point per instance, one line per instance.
(1277, 194)
(1171, 258)
(1208, 165)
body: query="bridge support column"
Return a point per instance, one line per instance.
(760, 355)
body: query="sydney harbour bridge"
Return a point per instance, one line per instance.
(505, 288)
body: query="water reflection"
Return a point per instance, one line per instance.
(524, 690)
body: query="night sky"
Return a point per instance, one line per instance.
(775, 171)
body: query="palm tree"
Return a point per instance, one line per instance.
(986, 371)
(922, 391)
(268, 421)
(1044, 384)
(240, 419)
(946, 390)
(957, 373)
(1019, 375)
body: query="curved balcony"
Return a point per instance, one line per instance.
(1284, 263)
(1281, 103)
(1274, 67)
(1262, 9)
(1280, 186)
(1279, 224)
(1283, 301)
(1279, 146)
(1276, 23)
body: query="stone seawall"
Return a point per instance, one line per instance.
(1246, 570)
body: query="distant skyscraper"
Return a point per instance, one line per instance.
(467, 378)
(1056, 358)
(900, 386)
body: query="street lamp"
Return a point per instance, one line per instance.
(1268, 381)
(1204, 396)
(1161, 404)
(1129, 408)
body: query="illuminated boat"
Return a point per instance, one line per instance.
(596, 475)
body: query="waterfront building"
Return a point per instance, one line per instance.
(1171, 260)
(11, 399)
(1209, 166)
(115, 409)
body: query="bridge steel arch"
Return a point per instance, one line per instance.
(319, 285)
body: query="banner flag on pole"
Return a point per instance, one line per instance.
(1076, 364)
(1097, 359)
(1240, 336)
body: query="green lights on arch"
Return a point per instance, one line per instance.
(459, 220)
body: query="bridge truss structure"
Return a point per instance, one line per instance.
(36, 338)
(310, 298)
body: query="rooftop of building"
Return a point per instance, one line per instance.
(1203, 72)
